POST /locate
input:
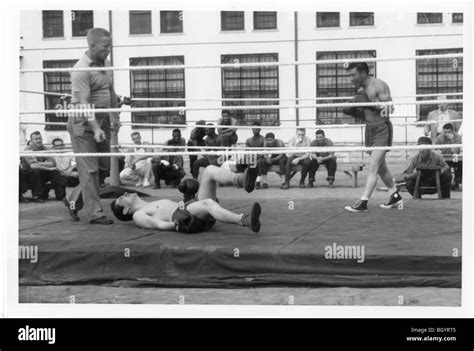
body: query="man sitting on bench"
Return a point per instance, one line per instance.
(322, 158)
(428, 158)
(300, 140)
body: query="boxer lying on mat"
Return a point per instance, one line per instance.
(192, 215)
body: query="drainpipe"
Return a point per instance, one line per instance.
(297, 94)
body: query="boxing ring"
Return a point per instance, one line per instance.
(303, 231)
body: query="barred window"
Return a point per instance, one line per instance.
(165, 84)
(251, 82)
(82, 21)
(171, 21)
(53, 24)
(361, 19)
(56, 82)
(429, 17)
(332, 81)
(438, 76)
(458, 17)
(327, 19)
(232, 20)
(140, 22)
(264, 20)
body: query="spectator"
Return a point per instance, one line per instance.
(211, 140)
(137, 168)
(322, 158)
(23, 174)
(171, 173)
(42, 170)
(176, 140)
(442, 114)
(300, 140)
(273, 159)
(449, 136)
(227, 136)
(428, 158)
(196, 139)
(66, 165)
(256, 140)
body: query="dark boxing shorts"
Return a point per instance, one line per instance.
(201, 225)
(379, 134)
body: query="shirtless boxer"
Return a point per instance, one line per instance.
(192, 216)
(378, 132)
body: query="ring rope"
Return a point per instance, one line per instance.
(260, 107)
(240, 65)
(243, 151)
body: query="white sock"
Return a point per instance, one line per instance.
(392, 190)
(364, 198)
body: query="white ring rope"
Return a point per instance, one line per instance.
(246, 99)
(259, 107)
(318, 126)
(243, 151)
(240, 65)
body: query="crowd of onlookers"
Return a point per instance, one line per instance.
(42, 174)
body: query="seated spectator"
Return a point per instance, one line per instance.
(442, 114)
(196, 139)
(23, 175)
(66, 165)
(428, 158)
(176, 140)
(322, 158)
(449, 136)
(42, 170)
(267, 161)
(227, 136)
(171, 173)
(137, 168)
(210, 140)
(300, 140)
(257, 140)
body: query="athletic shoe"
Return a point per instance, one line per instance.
(250, 178)
(285, 186)
(359, 206)
(23, 200)
(264, 186)
(37, 199)
(252, 219)
(394, 200)
(331, 183)
(302, 186)
(257, 185)
(310, 185)
(146, 183)
(72, 213)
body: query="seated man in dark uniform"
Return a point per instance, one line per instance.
(196, 139)
(227, 136)
(210, 140)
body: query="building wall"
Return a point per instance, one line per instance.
(394, 35)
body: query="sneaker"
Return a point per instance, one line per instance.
(72, 213)
(331, 183)
(285, 186)
(146, 183)
(302, 186)
(250, 178)
(359, 206)
(310, 185)
(394, 200)
(257, 185)
(252, 219)
(102, 220)
(157, 186)
(264, 186)
(23, 200)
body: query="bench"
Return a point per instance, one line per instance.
(350, 169)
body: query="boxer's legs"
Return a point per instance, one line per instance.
(203, 208)
(210, 178)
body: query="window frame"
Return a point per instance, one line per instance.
(44, 23)
(241, 14)
(246, 117)
(319, 20)
(163, 21)
(149, 13)
(352, 19)
(457, 14)
(74, 19)
(264, 13)
(420, 15)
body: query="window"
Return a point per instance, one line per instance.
(140, 22)
(56, 82)
(165, 84)
(82, 21)
(327, 19)
(232, 20)
(171, 21)
(264, 20)
(332, 81)
(53, 24)
(251, 82)
(458, 17)
(361, 19)
(429, 17)
(437, 76)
